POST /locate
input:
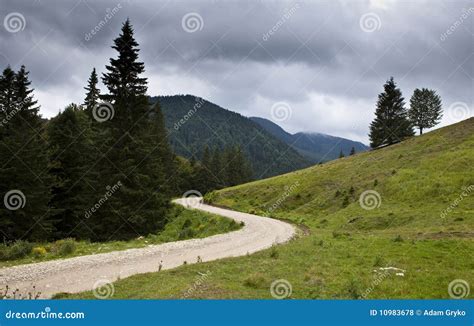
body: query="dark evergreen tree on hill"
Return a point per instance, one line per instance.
(341, 154)
(391, 124)
(236, 166)
(353, 151)
(216, 167)
(425, 109)
(204, 174)
(72, 157)
(23, 161)
(123, 77)
(93, 93)
(7, 93)
(137, 153)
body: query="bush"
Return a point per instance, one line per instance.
(345, 202)
(379, 261)
(274, 252)
(39, 252)
(353, 289)
(398, 238)
(18, 249)
(64, 247)
(255, 281)
(186, 234)
(210, 197)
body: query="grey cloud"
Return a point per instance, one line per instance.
(317, 47)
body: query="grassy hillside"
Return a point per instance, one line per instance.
(411, 229)
(194, 123)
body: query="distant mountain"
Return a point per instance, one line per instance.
(315, 147)
(194, 123)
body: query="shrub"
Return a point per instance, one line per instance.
(64, 247)
(345, 202)
(351, 191)
(353, 290)
(39, 252)
(398, 238)
(19, 249)
(186, 234)
(274, 252)
(255, 281)
(379, 261)
(210, 197)
(187, 223)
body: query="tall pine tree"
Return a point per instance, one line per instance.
(391, 124)
(23, 161)
(72, 157)
(137, 153)
(123, 74)
(93, 93)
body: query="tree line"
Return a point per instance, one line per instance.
(102, 170)
(394, 122)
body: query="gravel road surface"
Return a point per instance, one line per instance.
(88, 272)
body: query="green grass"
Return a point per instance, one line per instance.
(417, 180)
(183, 224)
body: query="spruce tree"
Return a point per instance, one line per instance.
(204, 175)
(341, 154)
(23, 161)
(353, 151)
(391, 124)
(216, 167)
(425, 109)
(93, 93)
(7, 94)
(72, 158)
(137, 153)
(123, 77)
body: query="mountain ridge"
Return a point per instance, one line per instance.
(315, 146)
(194, 123)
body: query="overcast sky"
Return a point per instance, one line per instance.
(308, 65)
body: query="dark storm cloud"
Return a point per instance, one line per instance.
(247, 55)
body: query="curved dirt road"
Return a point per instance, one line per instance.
(87, 272)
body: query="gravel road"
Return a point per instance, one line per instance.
(92, 271)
